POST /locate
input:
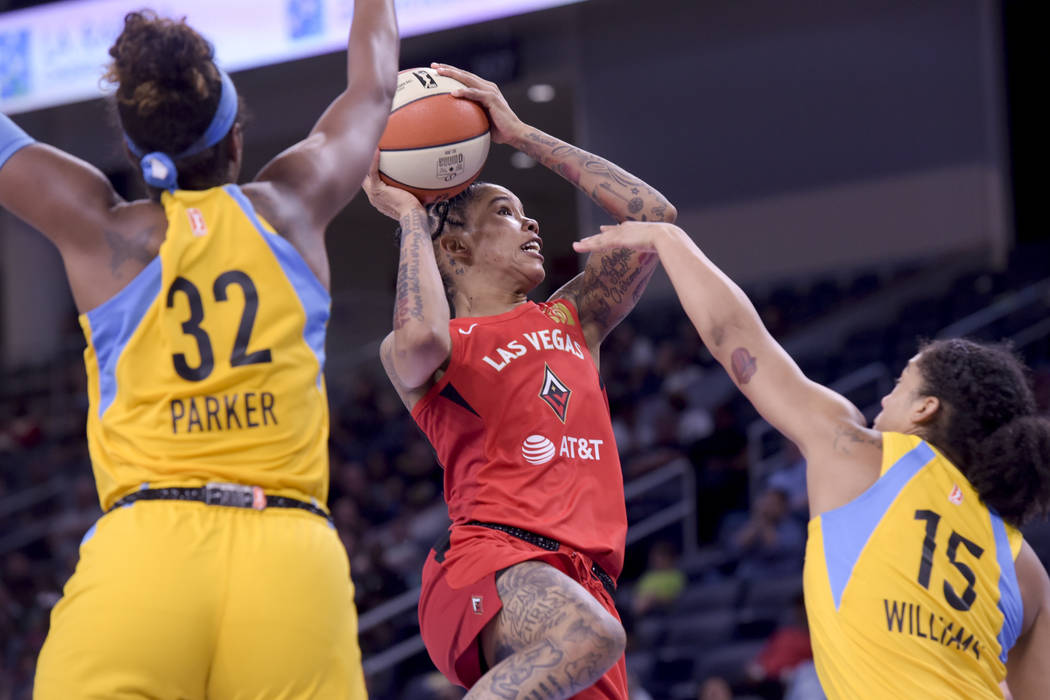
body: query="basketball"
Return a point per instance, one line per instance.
(435, 144)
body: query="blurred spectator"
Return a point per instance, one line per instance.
(714, 688)
(768, 541)
(779, 664)
(791, 479)
(635, 691)
(374, 581)
(661, 583)
(722, 472)
(432, 686)
(803, 683)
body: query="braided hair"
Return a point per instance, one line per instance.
(168, 89)
(446, 214)
(987, 425)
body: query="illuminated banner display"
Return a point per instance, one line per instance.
(55, 53)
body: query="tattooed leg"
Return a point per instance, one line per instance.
(550, 640)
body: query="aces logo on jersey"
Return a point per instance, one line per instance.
(555, 393)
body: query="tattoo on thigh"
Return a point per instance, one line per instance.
(584, 671)
(510, 675)
(534, 601)
(581, 631)
(548, 688)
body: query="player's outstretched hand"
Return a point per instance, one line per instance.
(636, 235)
(502, 119)
(391, 201)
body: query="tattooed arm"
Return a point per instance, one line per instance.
(829, 430)
(419, 344)
(612, 281)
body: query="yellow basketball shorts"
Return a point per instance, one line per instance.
(174, 599)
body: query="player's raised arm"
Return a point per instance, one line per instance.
(314, 179)
(613, 280)
(821, 422)
(63, 197)
(419, 343)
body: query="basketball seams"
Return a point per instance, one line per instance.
(414, 100)
(434, 143)
(446, 118)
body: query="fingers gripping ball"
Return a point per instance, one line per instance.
(434, 144)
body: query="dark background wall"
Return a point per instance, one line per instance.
(793, 137)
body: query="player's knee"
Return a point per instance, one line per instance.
(616, 639)
(598, 642)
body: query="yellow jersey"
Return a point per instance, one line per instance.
(209, 365)
(910, 588)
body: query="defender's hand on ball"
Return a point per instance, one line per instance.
(391, 201)
(503, 122)
(636, 235)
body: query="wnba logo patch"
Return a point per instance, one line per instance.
(476, 604)
(956, 495)
(197, 225)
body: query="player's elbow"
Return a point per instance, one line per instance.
(418, 353)
(373, 90)
(386, 86)
(670, 214)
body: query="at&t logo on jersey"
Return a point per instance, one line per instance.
(538, 449)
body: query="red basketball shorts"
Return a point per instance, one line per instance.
(459, 597)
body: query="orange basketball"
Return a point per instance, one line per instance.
(434, 144)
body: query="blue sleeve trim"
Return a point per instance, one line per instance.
(1010, 603)
(89, 534)
(12, 138)
(114, 322)
(846, 530)
(312, 295)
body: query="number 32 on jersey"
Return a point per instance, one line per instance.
(241, 355)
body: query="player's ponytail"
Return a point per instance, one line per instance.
(168, 91)
(987, 424)
(1015, 474)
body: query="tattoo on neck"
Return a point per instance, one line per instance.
(745, 365)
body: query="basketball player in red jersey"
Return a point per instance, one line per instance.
(516, 602)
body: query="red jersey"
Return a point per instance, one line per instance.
(520, 423)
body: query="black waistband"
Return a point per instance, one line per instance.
(551, 545)
(231, 495)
